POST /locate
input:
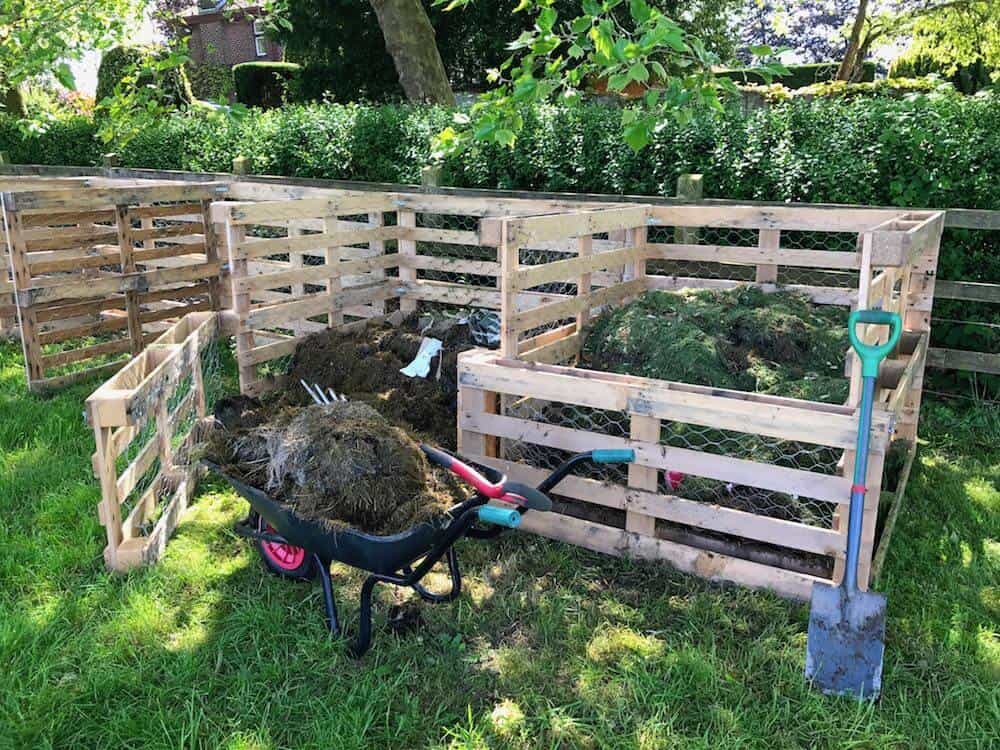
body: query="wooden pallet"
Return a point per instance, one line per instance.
(151, 412)
(99, 270)
(893, 261)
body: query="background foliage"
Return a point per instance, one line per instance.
(119, 62)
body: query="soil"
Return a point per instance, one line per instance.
(365, 366)
(743, 339)
(343, 464)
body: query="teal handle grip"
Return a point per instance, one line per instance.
(613, 456)
(872, 354)
(500, 516)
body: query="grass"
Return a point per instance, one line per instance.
(549, 646)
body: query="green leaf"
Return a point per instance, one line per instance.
(637, 135)
(760, 50)
(64, 75)
(639, 10)
(638, 72)
(505, 137)
(618, 81)
(581, 24)
(547, 19)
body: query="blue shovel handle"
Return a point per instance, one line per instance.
(872, 354)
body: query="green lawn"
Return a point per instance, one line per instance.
(549, 646)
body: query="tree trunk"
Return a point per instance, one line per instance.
(409, 38)
(849, 65)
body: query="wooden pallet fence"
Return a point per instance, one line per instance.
(521, 396)
(98, 271)
(146, 419)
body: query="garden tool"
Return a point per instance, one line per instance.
(846, 637)
(316, 393)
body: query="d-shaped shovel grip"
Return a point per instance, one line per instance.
(872, 354)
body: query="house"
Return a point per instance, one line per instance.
(226, 33)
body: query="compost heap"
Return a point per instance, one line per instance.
(343, 464)
(365, 366)
(743, 339)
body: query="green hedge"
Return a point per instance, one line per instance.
(119, 61)
(263, 84)
(211, 82)
(799, 75)
(966, 78)
(921, 150)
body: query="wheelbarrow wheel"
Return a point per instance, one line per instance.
(285, 560)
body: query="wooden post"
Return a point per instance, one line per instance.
(873, 482)
(376, 219)
(297, 260)
(690, 187)
(769, 239)
(407, 252)
(476, 401)
(109, 510)
(647, 430)
(509, 265)
(27, 314)
(126, 250)
(241, 165)
(211, 253)
(334, 284)
(111, 161)
(235, 235)
(918, 297)
(584, 248)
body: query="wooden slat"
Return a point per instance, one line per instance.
(524, 231)
(75, 355)
(569, 308)
(956, 359)
(65, 239)
(317, 304)
(67, 218)
(567, 270)
(828, 488)
(104, 197)
(281, 245)
(821, 295)
(315, 274)
(307, 208)
(441, 236)
(173, 209)
(162, 233)
(453, 265)
(971, 291)
(752, 256)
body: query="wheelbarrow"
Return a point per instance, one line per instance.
(299, 548)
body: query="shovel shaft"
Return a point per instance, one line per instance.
(857, 507)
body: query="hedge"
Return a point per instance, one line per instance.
(927, 151)
(119, 61)
(799, 75)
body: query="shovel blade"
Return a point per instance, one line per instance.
(846, 641)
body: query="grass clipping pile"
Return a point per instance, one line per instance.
(343, 464)
(742, 339)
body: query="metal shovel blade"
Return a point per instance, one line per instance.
(846, 641)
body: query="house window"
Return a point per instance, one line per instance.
(258, 38)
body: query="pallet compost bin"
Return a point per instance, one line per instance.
(699, 495)
(294, 260)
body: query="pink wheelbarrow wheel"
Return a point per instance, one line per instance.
(285, 560)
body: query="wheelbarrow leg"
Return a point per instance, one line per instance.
(456, 582)
(363, 642)
(328, 602)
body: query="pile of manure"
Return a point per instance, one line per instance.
(744, 339)
(343, 463)
(365, 366)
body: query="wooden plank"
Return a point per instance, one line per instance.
(453, 265)
(105, 197)
(971, 291)
(828, 488)
(193, 208)
(786, 419)
(646, 429)
(677, 510)
(316, 305)
(188, 228)
(68, 218)
(407, 248)
(49, 385)
(523, 231)
(709, 565)
(956, 359)
(821, 295)
(256, 248)
(769, 254)
(568, 308)
(315, 274)
(440, 236)
(565, 270)
(140, 282)
(69, 356)
(307, 208)
(73, 238)
(802, 217)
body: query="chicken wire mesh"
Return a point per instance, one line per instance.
(758, 448)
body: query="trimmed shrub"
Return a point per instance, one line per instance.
(799, 75)
(966, 78)
(211, 82)
(263, 84)
(119, 61)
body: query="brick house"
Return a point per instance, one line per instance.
(222, 34)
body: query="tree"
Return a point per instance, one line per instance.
(409, 37)
(556, 59)
(959, 35)
(39, 37)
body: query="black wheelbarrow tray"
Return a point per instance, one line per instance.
(297, 547)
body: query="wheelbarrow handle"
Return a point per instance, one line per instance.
(872, 354)
(492, 490)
